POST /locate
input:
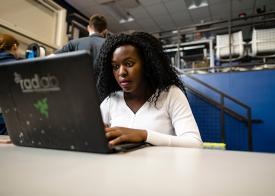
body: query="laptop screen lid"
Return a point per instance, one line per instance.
(52, 103)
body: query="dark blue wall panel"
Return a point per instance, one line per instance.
(254, 88)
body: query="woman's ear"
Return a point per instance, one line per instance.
(14, 47)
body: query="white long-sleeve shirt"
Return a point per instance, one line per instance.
(169, 123)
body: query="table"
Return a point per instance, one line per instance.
(153, 171)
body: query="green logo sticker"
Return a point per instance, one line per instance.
(42, 106)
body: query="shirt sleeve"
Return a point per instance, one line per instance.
(105, 110)
(186, 130)
(69, 47)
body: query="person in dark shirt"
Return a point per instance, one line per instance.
(8, 48)
(96, 28)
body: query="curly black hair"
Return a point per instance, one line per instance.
(158, 72)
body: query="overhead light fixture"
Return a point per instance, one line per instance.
(129, 19)
(118, 11)
(194, 4)
(175, 31)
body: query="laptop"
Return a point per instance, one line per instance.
(52, 102)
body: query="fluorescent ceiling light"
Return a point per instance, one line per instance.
(175, 31)
(194, 4)
(129, 19)
(118, 12)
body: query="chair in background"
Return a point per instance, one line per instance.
(2, 125)
(237, 46)
(263, 43)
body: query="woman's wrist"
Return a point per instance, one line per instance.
(144, 135)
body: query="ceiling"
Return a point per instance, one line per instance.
(163, 15)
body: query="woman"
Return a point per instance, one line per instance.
(144, 99)
(8, 48)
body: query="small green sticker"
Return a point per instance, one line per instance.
(42, 106)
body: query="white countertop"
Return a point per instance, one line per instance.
(153, 171)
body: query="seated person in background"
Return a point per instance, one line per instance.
(8, 48)
(144, 100)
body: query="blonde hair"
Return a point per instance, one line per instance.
(7, 41)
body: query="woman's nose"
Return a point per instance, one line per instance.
(122, 71)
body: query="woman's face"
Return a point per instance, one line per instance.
(14, 50)
(128, 69)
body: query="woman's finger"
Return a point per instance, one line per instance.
(113, 134)
(106, 125)
(118, 140)
(108, 129)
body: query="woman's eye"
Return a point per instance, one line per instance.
(115, 67)
(129, 64)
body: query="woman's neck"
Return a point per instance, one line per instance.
(136, 100)
(143, 95)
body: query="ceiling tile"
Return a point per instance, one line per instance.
(149, 2)
(242, 4)
(181, 19)
(132, 26)
(139, 12)
(157, 10)
(219, 11)
(79, 4)
(90, 10)
(151, 29)
(165, 22)
(171, 0)
(213, 2)
(176, 6)
(149, 23)
(200, 14)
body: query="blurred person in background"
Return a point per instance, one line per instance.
(8, 52)
(8, 48)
